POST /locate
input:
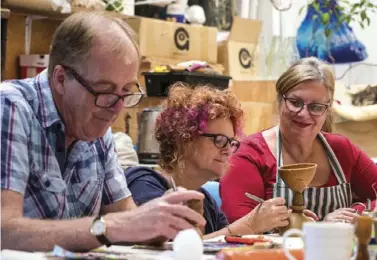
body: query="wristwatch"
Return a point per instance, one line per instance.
(98, 229)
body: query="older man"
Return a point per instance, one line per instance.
(61, 183)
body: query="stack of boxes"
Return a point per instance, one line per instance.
(163, 43)
(238, 54)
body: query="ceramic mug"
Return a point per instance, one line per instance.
(324, 240)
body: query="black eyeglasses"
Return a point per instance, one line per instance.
(296, 105)
(106, 99)
(221, 141)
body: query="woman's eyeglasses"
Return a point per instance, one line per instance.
(106, 99)
(296, 105)
(221, 141)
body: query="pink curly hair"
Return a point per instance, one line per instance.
(185, 116)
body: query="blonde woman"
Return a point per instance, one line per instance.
(304, 93)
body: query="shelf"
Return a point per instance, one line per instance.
(5, 13)
(161, 3)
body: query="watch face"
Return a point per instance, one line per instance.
(98, 228)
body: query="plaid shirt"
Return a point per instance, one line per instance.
(56, 184)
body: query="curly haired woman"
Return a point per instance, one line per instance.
(196, 133)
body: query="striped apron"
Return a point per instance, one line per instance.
(321, 201)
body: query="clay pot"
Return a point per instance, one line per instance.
(198, 206)
(157, 242)
(298, 176)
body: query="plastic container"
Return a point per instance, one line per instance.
(158, 83)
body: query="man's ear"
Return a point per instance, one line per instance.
(58, 79)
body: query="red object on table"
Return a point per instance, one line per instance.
(245, 240)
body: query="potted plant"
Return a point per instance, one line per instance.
(326, 31)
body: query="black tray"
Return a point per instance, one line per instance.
(158, 83)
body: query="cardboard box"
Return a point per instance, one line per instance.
(258, 116)
(159, 38)
(361, 133)
(258, 98)
(257, 91)
(237, 53)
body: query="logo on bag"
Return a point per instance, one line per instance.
(244, 58)
(181, 39)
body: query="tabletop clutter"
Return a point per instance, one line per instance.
(335, 241)
(301, 239)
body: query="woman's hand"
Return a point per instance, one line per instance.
(343, 214)
(266, 216)
(311, 214)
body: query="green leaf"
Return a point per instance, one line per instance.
(363, 15)
(368, 20)
(325, 17)
(342, 18)
(361, 25)
(338, 7)
(301, 9)
(314, 17)
(327, 32)
(348, 19)
(336, 12)
(316, 7)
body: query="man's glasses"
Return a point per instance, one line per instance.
(106, 99)
(296, 105)
(221, 141)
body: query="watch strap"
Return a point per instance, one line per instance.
(102, 238)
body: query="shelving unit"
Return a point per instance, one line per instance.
(161, 3)
(5, 13)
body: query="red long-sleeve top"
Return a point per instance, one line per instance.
(253, 170)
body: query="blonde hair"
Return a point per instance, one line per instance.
(73, 39)
(308, 69)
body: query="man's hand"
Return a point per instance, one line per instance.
(161, 217)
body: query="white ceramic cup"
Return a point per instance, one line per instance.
(324, 240)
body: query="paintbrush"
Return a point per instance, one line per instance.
(253, 197)
(172, 183)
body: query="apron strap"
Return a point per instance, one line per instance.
(280, 190)
(339, 195)
(335, 165)
(279, 156)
